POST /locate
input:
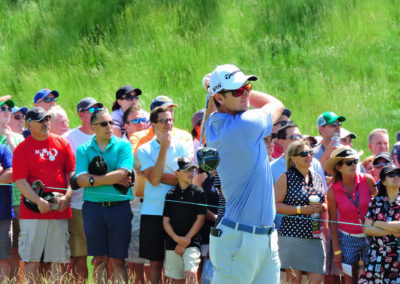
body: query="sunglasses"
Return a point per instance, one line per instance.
(165, 121)
(139, 120)
(49, 100)
(94, 109)
(283, 122)
(295, 137)
(104, 123)
(393, 174)
(350, 162)
(3, 108)
(239, 92)
(305, 153)
(130, 97)
(45, 119)
(18, 117)
(382, 164)
(335, 124)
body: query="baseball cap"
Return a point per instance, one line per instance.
(387, 170)
(10, 103)
(24, 110)
(328, 118)
(161, 101)
(185, 163)
(127, 89)
(287, 112)
(382, 155)
(87, 103)
(197, 116)
(228, 77)
(36, 113)
(344, 133)
(44, 93)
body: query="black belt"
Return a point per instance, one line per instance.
(111, 203)
(247, 228)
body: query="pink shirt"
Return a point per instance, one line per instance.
(347, 210)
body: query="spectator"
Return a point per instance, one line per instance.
(46, 99)
(76, 137)
(17, 120)
(348, 198)
(106, 211)
(378, 141)
(237, 134)
(346, 137)
(44, 235)
(135, 119)
(395, 153)
(5, 213)
(382, 225)
(312, 141)
(197, 119)
(59, 120)
(300, 249)
(269, 144)
(367, 163)
(381, 159)
(282, 121)
(157, 164)
(182, 223)
(125, 97)
(7, 136)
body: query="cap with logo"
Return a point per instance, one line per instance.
(185, 163)
(162, 101)
(387, 170)
(228, 77)
(127, 89)
(36, 113)
(329, 117)
(87, 103)
(10, 103)
(44, 93)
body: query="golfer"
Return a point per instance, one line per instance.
(243, 247)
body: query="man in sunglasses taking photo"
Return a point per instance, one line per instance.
(247, 229)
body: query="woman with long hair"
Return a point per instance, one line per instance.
(383, 226)
(301, 247)
(348, 199)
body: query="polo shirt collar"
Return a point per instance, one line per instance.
(94, 145)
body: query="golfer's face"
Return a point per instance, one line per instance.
(237, 104)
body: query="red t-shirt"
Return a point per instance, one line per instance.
(49, 161)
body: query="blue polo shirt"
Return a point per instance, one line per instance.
(244, 167)
(118, 155)
(5, 190)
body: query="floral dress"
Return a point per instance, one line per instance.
(383, 265)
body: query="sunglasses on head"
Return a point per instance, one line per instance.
(393, 174)
(49, 100)
(94, 109)
(283, 122)
(18, 117)
(3, 108)
(139, 120)
(239, 92)
(335, 124)
(104, 123)
(305, 153)
(350, 162)
(130, 97)
(382, 164)
(295, 137)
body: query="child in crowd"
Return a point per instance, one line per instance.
(182, 222)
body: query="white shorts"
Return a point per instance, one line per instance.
(44, 240)
(176, 265)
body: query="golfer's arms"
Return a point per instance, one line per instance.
(268, 103)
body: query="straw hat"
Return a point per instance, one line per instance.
(341, 153)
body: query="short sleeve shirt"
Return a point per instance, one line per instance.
(5, 190)
(244, 167)
(50, 161)
(183, 215)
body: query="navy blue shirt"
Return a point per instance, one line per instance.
(5, 190)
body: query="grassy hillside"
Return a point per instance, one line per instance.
(314, 55)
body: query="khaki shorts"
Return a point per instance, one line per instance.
(44, 240)
(77, 238)
(176, 265)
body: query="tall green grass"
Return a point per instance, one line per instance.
(315, 56)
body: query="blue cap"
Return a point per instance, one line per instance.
(161, 101)
(17, 109)
(44, 93)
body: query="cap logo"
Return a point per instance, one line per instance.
(216, 87)
(228, 76)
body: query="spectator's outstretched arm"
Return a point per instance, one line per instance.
(268, 103)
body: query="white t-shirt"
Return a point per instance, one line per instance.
(76, 138)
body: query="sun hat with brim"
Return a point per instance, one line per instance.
(341, 153)
(10, 103)
(387, 170)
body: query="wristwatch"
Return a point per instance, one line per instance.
(91, 181)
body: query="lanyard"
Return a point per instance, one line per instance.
(357, 202)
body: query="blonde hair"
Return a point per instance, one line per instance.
(56, 110)
(375, 132)
(293, 150)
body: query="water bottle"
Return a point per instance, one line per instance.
(336, 138)
(316, 224)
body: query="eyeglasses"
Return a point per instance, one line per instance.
(382, 164)
(49, 100)
(295, 137)
(393, 174)
(8, 109)
(18, 117)
(350, 162)
(305, 153)
(94, 109)
(139, 120)
(130, 97)
(334, 124)
(104, 123)
(239, 92)
(165, 121)
(283, 122)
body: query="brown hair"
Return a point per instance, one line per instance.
(154, 113)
